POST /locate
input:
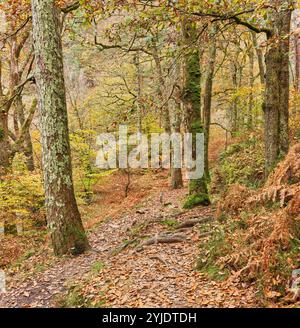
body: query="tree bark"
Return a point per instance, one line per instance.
(295, 21)
(284, 75)
(297, 62)
(234, 117)
(208, 97)
(170, 114)
(162, 90)
(276, 102)
(139, 91)
(198, 192)
(260, 58)
(10, 99)
(64, 222)
(176, 173)
(271, 108)
(251, 87)
(19, 108)
(27, 147)
(5, 149)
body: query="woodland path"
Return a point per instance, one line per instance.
(158, 275)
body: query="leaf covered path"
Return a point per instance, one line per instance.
(122, 272)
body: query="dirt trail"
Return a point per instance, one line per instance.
(159, 275)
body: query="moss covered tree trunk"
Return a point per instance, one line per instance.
(208, 96)
(271, 108)
(285, 28)
(64, 222)
(198, 193)
(276, 102)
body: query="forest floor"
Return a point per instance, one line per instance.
(121, 270)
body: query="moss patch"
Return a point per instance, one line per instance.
(196, 200)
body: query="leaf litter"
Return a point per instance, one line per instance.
(155, 275)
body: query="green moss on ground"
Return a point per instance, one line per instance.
(196, 200)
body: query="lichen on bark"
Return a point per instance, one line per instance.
(64, 221)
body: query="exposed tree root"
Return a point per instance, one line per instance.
(120, 248)
(165, 239)
(193, 222)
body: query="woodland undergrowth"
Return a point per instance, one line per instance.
(258, 235)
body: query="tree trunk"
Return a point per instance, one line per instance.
(284, 79)
(198, 193)
(271, 108)
(139, 91)
(26, 148)
(18, 117)
(5, 158)
(251, 87)
(297, 62)
(296, 58)
(260, 58)
(234, 111)
(295, 24)
(167, 116)
(162, 90)
(276, 103)
(67, 232)
(175, 115)
(5, 148)
(208, 97)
